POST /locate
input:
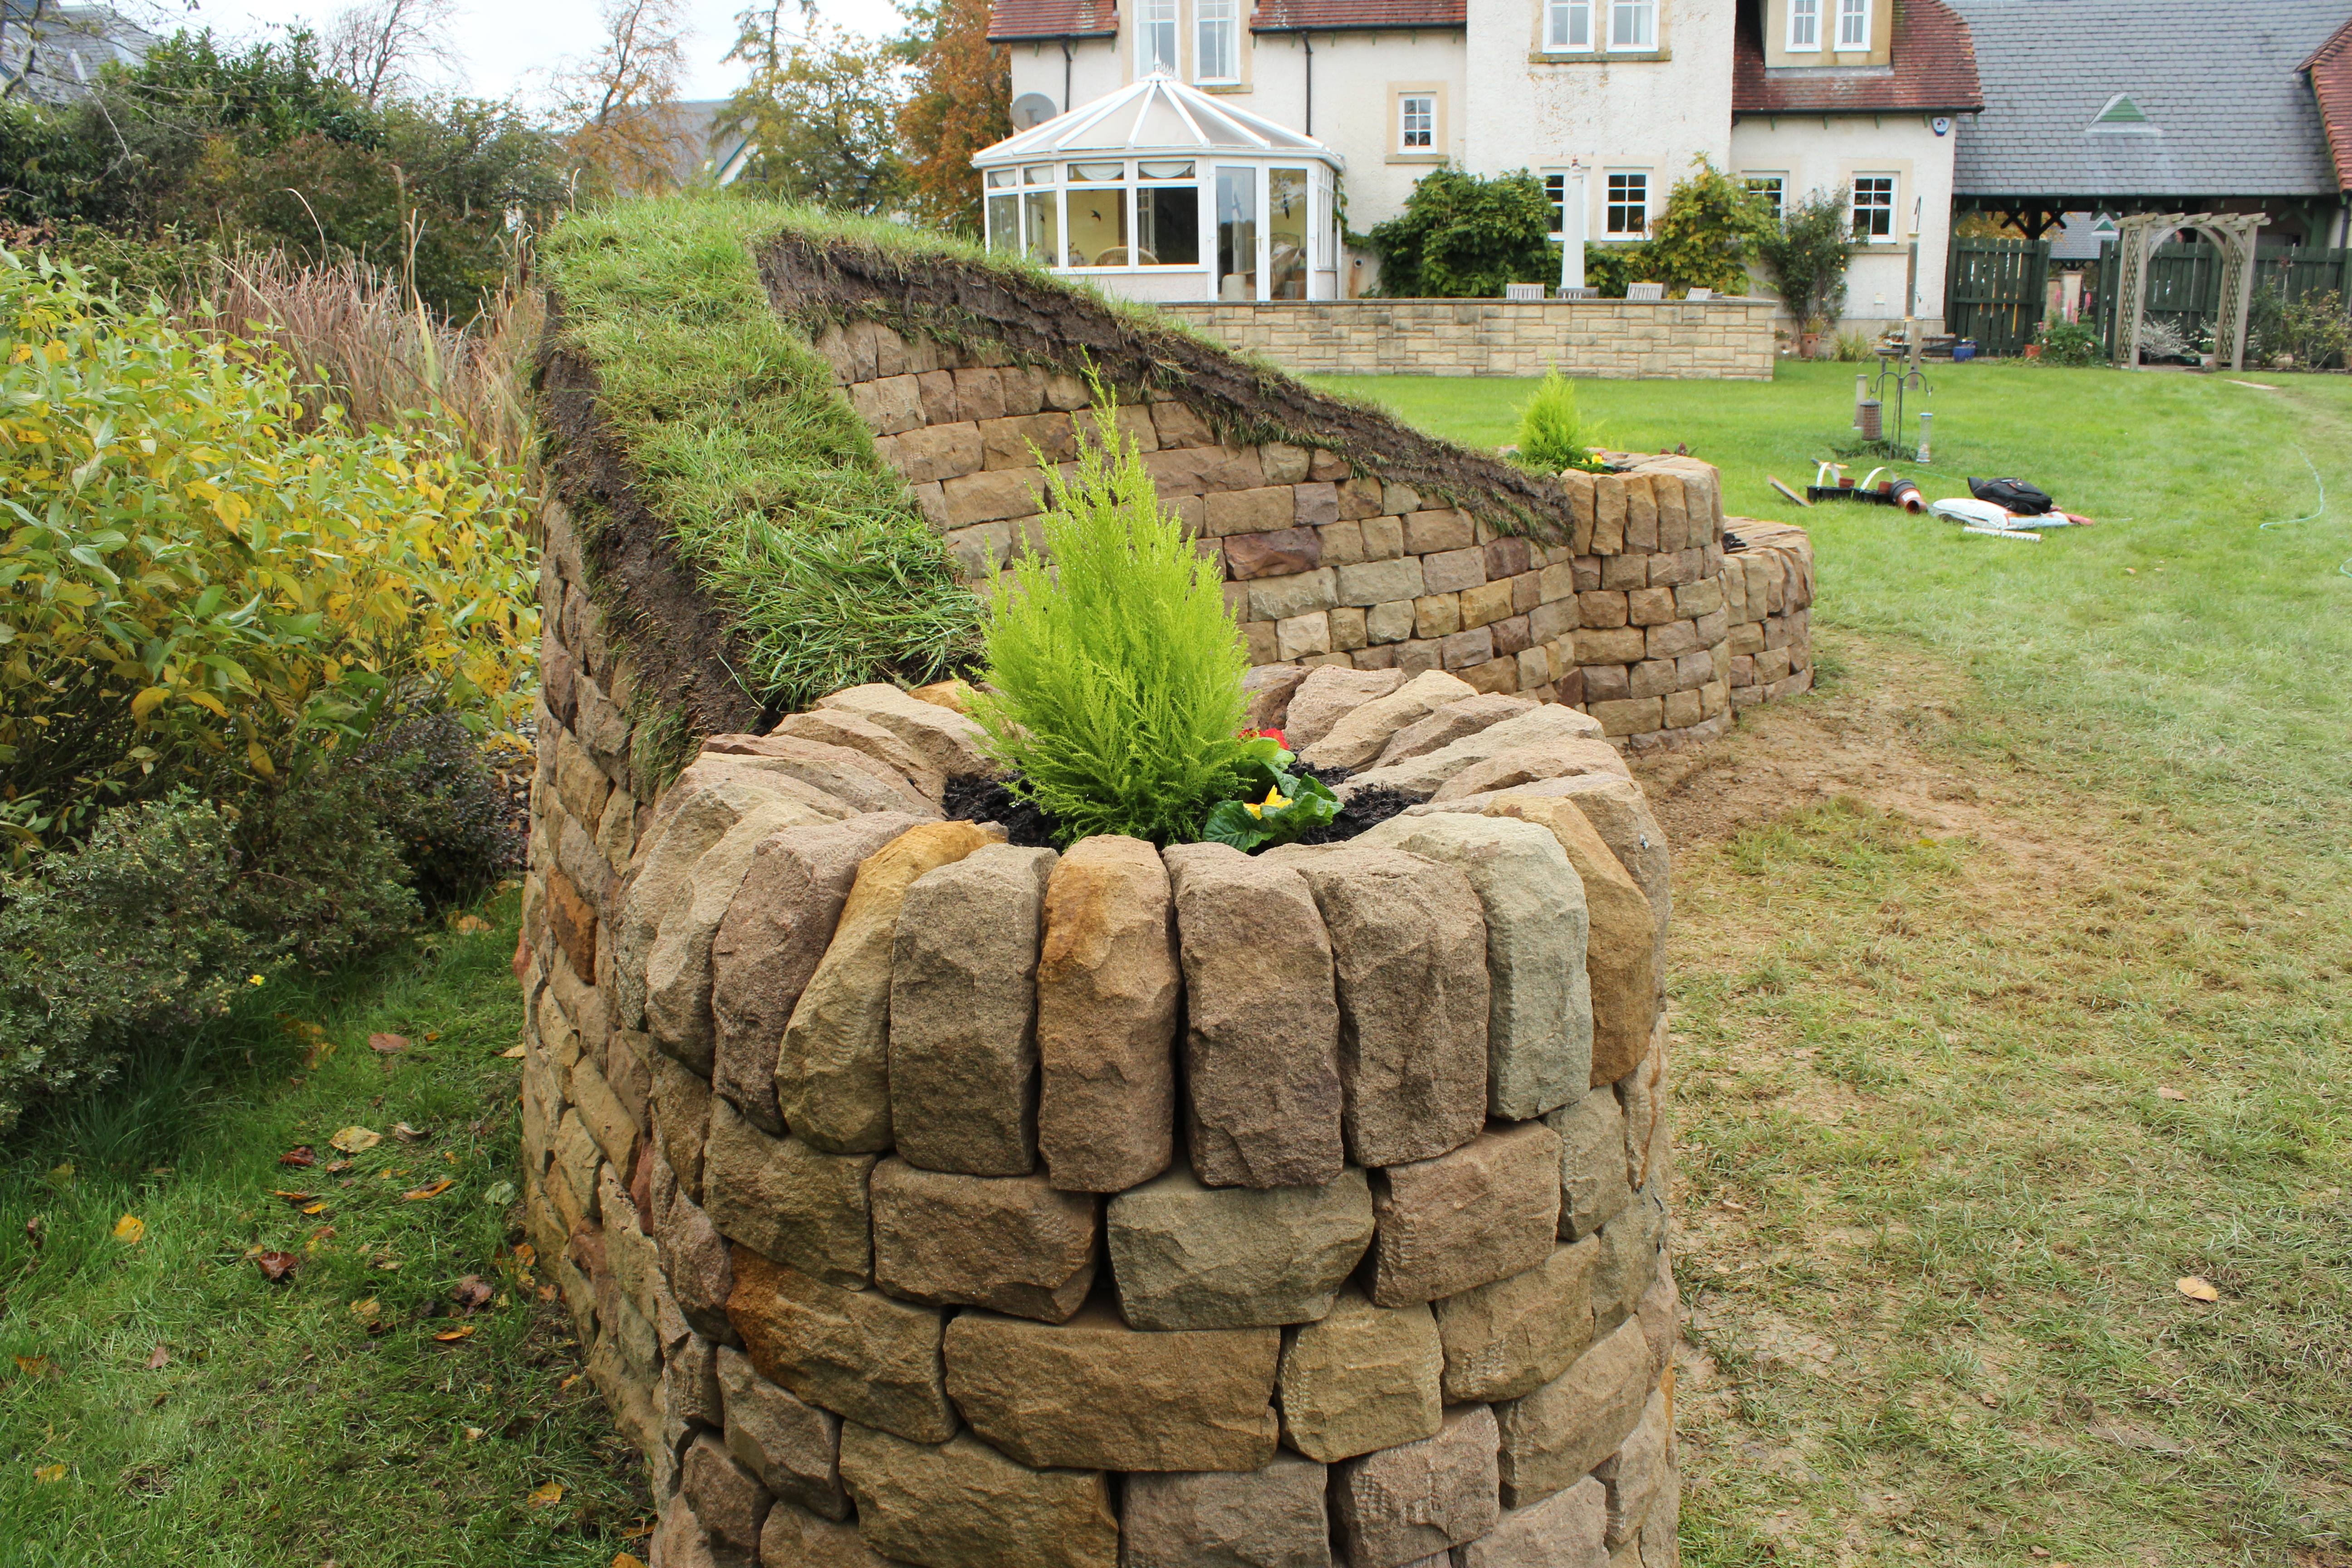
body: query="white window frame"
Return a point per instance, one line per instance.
(1564, 182)
(1894, 200)
(1643, 17)
(1610, 200)
(1157, 18)
(1562, 20)
(1804, 27)
(1769, 182)
(1853, 26)
(1405, 131)
(1222, 16)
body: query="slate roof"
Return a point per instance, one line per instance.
(1013, 19)
(2220, 81)
(2330, 66)
(71, 45)
(1934, 71)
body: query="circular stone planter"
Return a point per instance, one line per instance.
(925, 1198)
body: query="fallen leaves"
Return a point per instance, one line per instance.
(37, 1231)
(2196, 1289)
(276, 1267)
(295, 1199)
(48, 1474)
(623, 1560)
(385, 1045)
(514, 1053)
(432, 1190)
(546, 1496)
(2165, 1091)
(451, 1336)
(407, 1134)
(301, 1157)
(471, 1294)
(469, 925)
(356, 1139)
(159, 1357)
(130, 1229)
(34, 1365)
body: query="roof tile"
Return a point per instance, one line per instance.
(1935, 68)
(2330, 67)
(1011, 19)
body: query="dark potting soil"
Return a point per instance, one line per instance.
(1025, 827)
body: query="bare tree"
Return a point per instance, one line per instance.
(376, 48)
(622, 100)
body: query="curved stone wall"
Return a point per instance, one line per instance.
(923, 1198)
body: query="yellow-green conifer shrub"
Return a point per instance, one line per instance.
(1115, 670)
(197, 583)
(1553, 436)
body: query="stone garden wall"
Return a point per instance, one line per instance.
(922, 1198)
(1653, 612)
(1618, 340)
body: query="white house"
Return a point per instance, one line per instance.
(1609, 100)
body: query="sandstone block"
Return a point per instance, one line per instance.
(1427, 532)
(727, 1500)
(1509, 1336)
(788, 1201)
(1593, 1189)
(964, 1042)
(1184, 1256)
(1621, 938)
(1010, 1244)
(1362, 732)
(1450, 723)
(1552, 1439)
(1421, 775)
(801, 1540)
(1564, 758)
(1382, 581)
(1484, 1212)
(850, 777)
(838, 727)
(1301, 593)
(1436, 617)
(1628, 1261)
(1108, 982)
(795, 1448)
(1268, 688)
(1328, 695)
(1265, 509)
(1408, 958)
(1636, 1472)
(1400, 1505)
(1093, 1393)
(833, 1072)
(700, 1269)
(858, 1353)
(1262, 1027)
(964, 1505)
(769, 943)
(1389, 623)
(691, 1380)
(677, 964)
(946, 740)
(1360, 1378)
(1273, 1518)
(1307, 637)
(1641, 1091)
(681, 1118)
(1538, 1018)
(1283, 553)
(1564, 1530)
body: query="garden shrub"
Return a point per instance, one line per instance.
(1554, 435)
(1805, 256)
(170, 910)
(1703, 237)
(1115, 675)
(2069, 343)
(194, 591)
(1462, 238)
(429, 782)
(2314, 329)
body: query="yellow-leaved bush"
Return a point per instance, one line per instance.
(199, 583)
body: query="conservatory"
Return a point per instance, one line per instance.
(1160, 192)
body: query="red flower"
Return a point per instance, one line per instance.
(1276, 736)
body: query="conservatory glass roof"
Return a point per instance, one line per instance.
(1156, 116)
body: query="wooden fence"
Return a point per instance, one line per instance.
(1996, 290)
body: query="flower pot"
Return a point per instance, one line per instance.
(1809, 345)
(2033, 350)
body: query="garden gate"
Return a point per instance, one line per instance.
(1993, 293)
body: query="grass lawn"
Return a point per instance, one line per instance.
(162, 1402)
(2011, 986)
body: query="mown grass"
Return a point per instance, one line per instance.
(280, 1428)
(1959, 1105)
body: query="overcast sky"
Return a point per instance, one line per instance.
(509, 46)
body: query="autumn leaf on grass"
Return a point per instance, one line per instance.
(546, 1496)
(130, 1228)
(513, 1053)
(433, 1191)
(407, 1134)
(33, 1365)
(470, 925)
(356, 1139)
(366, 1311)
(450, 1336)
(472, 1292)
(387, 1044)
(336, 1167)
(297, 1199)
(47, 1474)
(2196, 1289)
(623, 1560)
(2165, 1091)
(300, 1157)
(276, 1267)
(161, 1356)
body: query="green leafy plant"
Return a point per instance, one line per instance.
(1854, 348)
(1462, 237)
(1805, 256)
(1553, 436)
(1114, 675)
(2314, 330)
(1279, 804)
(2068, 342)
(1710, 225)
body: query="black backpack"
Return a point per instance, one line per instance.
(2013, 495)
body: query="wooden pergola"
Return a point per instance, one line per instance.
(2136, 238)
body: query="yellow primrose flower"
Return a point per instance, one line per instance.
(1275, 801)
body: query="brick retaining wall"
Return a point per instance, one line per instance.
(1615, 339)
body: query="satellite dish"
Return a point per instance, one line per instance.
(1032, 109)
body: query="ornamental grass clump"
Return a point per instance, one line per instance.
(1115, 673)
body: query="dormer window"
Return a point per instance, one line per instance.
(1853, 24)
(1568, 26)
(1155, 36)
(1804, 27)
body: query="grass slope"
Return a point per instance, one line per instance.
(279, 1429)
(1959, 1105)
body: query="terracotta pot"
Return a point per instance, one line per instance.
(1809, 345)
(2033, 350)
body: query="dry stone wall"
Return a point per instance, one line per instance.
(924, 1198)
(1654, 612)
